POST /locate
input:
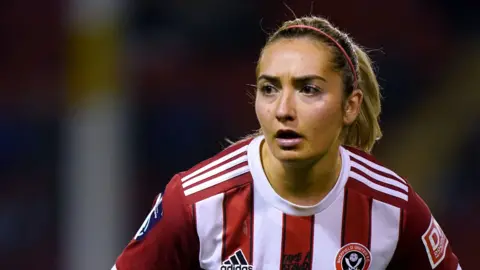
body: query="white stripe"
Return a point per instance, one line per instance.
(238, 258)
(459, 267)
(385, 233)
(376, 166)
(216, 162)
(377, 187)
(114, 267)
(379, 177)
(327, 235)
(215, 171)
(267, 234)
(217, 180)
(209, 214)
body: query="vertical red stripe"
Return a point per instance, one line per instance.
(357, 212)
(237, 218)
(194, 217)
(195, 247)
(297, 242)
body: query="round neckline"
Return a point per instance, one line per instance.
(263, 187)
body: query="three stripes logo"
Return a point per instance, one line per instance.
(236, 262)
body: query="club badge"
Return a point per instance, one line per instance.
(353, 256)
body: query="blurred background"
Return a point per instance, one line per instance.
(102, 101)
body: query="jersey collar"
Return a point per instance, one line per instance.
(263, 187)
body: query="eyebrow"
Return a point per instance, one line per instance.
(300, 78)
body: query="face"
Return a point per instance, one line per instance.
(299, 102)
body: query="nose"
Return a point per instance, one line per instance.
(286, 110)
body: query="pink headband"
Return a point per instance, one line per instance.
(350, 63)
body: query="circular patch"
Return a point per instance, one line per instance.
(353, 256)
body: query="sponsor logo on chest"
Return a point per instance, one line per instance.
(236, 262)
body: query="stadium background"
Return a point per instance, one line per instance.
(103, 101)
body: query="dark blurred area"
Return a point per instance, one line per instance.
(181, 69)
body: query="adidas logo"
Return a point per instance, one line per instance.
(236, 262)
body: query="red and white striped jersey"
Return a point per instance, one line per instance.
(223, 214)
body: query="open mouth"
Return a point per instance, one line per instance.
(288, 139)
(287, 134)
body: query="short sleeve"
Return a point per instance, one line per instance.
(167, 238)
(423, 244)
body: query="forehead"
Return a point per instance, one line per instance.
(295, 57)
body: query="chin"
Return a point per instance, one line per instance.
(292, 157)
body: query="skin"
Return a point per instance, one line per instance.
(298, 90)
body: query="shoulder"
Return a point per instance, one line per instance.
(368, 176)
(226, 170)
(420, 235)
(383, 183)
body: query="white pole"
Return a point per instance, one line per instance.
(95, 166)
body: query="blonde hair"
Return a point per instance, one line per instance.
(365, 130)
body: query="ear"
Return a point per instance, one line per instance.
(352, 106)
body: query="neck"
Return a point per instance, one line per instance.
(303, 183)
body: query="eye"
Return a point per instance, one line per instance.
(310, 90)
(267, 89)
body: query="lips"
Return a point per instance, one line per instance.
(288, 139)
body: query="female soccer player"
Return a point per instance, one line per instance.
(304, 193)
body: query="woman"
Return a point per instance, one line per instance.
(303, 193)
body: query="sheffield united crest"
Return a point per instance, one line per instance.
(353, 256)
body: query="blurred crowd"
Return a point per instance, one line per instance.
(187, 67)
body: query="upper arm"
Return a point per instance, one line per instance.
(167, 238)
(423, 244)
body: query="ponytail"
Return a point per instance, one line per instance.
(365, 130)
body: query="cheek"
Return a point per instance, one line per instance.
(265, 116)
(325, 118)
(262, 111)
